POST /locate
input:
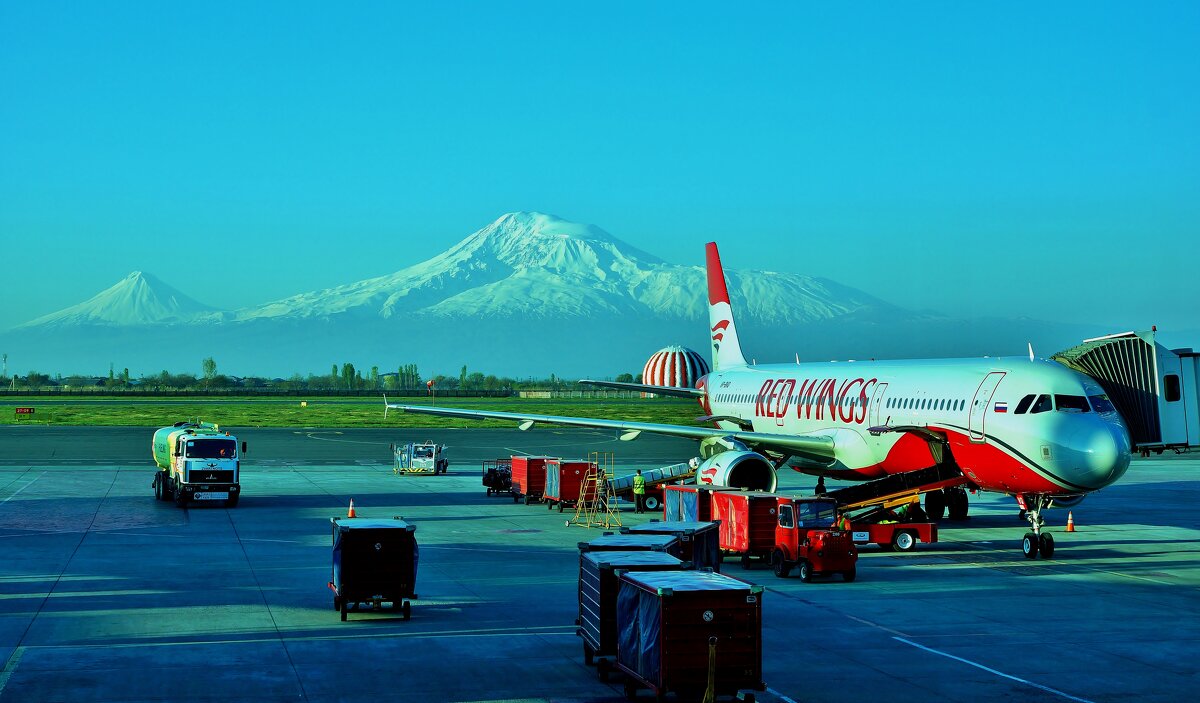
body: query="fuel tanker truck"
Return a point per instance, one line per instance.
(197, 461)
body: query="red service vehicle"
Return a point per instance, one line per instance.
(688, 503)
(805, 538)
(564, 479)
(529, 477)
(747, 522)
(891, 530)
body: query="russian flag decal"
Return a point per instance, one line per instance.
(1000, 407)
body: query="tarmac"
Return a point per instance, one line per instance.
(108, 595)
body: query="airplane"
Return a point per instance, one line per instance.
(1027, 427)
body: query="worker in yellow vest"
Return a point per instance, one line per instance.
(639, 491)
(842, 523)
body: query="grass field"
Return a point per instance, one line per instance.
(252, 412)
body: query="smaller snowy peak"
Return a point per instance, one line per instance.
(138, 299)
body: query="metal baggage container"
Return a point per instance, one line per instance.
(700, 542)
(374, 561)
(667, 621)
(529, 478)
(609, 542)
(598, 572)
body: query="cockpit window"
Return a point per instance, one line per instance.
(1041, 405)
(1023, 406)
(1072, 403)
(1101, 404)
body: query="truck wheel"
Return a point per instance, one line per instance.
(904, 541)
(745, 561)
(780, 564)
(602, 668)
(180, 496)
(560, 506)
(406, 610)
(528, 500)
(233, 500)
(516, 497)
(344, 608)
(848, 576)
(806, 571)
(589, 655)
(652, 503)
(159, 493)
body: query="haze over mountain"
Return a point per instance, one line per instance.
(529, 294)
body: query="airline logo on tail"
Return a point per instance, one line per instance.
(726, 351)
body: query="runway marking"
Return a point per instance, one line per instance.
(781, 697)
(977, 665)
(14, 494)
(10, 666)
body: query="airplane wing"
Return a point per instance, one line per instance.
(820, 447)
(646, 388)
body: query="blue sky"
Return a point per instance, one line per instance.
(975, 159)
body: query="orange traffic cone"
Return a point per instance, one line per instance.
(1070, 522)
(350, 512)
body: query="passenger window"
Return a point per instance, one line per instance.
(785, 516)
(1171, 387)
(1041, 405)
(1072, 403)
(1023, 406)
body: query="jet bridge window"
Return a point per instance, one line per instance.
(1041, 405)
(1023, 406)
(1171, 387)
(1072, 403)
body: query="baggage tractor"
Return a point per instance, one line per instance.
(672, 624)
(564, 479)
(375, 562)
(609, 542)
(529, 478)
(598, 572)
(699, 542)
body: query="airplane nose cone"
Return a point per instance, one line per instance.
(1100, 454)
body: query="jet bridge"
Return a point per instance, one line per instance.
(1156, 390)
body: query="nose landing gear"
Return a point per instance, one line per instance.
(1036, 542)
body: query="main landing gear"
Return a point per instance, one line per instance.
(1036, 542)
(948, 500)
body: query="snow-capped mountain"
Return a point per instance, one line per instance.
(137, 299)
(529, 264)
(529, 294)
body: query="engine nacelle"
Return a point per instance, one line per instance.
(1067, 501)
(737, 469)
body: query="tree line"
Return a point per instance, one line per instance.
(343, 376)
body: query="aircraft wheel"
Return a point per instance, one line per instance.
(935, 504)
(779, 564)
(1029, 545)
(957, 503)
(1046, 545)
(806, 571)
(904, 541)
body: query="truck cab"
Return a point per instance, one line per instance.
(197, 462)
(805, 538)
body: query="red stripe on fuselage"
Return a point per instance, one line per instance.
(985, 464)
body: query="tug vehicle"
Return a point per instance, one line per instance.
(806, 539)
(419, 458)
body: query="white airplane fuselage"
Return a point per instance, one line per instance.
(1075, 442)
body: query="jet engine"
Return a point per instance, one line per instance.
(737, 469)
(1067, 501)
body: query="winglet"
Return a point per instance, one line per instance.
(1030, 350)
(726, 348)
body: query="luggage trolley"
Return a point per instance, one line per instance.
(497, 476)
(374, 561)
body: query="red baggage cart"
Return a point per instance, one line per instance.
(667, 621)
(529, 477)
(747, 522)
(598, 585)
(564, 479)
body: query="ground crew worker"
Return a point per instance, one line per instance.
(820, 489)
(842, 523)
(639, 491)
